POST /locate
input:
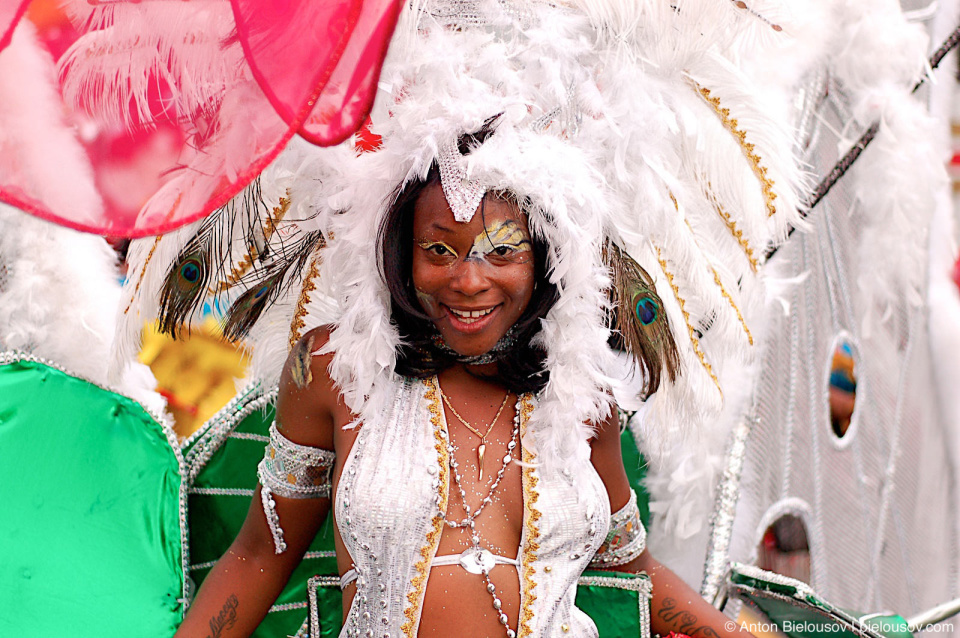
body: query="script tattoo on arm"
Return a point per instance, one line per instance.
(683, 621)
(226, 618)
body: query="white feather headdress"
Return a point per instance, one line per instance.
(674, 161)
(622, 122)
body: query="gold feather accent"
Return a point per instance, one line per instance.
(726, 295)
(686, 317)
(749, 150)
(298, 323)
(143, 272)
(244, 265)
(731, 225)
(723, 290)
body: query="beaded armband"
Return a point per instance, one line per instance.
(291, 471)
(626, 539)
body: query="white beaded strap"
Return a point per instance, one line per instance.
(348, 577)
(292, 471)
(273, 521)
(626, 539)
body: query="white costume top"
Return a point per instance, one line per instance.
(390, 507)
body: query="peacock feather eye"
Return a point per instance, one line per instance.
(190, 271)
(646, 309)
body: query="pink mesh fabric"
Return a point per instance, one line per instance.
(313, 68)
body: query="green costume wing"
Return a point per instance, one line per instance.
(91, 536)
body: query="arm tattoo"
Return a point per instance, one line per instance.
(226, 618)
(683, 621)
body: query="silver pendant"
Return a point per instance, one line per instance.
(477, 560)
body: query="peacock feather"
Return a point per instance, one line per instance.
(265, 283)
(185, 285)
(640, 324)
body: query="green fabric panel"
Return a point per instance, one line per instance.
(615, 611)
(805, 615)
(216, 520)
(891, 626)
(636, 467)
(330, 606)
(89, 536)
(798, 622)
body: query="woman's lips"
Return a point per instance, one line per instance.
(470, 321)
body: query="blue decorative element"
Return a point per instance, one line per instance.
(190, 271)
(843, 380)
(646, 309)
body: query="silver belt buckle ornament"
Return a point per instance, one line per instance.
(477, 560)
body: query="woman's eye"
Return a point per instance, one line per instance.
(503, 251)
(438, 249)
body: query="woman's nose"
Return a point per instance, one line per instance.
(469, 278)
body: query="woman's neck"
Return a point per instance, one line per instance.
(476, 376)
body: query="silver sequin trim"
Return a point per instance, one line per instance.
(462, 194)
(295, 471)
(625, 525)
(641, 584)
(273, 521)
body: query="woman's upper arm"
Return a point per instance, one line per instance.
(306, 404)
(307, 399)
(606, 457)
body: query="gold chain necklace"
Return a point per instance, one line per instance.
(483, 446)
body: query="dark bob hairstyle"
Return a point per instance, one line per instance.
(521, 368)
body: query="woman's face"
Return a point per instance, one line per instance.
(473, 279)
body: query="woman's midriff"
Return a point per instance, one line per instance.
(457, 603)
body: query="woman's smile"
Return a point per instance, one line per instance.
(470, 320)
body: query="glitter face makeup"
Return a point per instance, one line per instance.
(504, 241)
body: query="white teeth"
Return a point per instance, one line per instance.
(470, 314)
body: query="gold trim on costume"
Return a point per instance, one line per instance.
(143, 272)
(737, 234)
(298, 323)
(686, 317)
(269, 227)
(749, 150)
(419, 582)
(532, 516)
(726, 295)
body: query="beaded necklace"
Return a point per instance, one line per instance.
(477, 559)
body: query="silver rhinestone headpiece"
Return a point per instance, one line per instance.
(463, 195)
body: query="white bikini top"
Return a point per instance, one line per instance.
(390, 505)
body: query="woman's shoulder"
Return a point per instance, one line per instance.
(308, 402)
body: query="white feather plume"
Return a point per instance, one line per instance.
(134, 55)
